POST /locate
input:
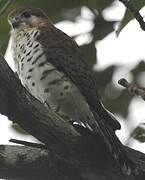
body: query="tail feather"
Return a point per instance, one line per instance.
(115, 147)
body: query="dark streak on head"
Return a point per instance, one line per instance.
(34, 11)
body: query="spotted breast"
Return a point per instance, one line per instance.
(45, 82)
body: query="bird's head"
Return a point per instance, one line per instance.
(22, 18)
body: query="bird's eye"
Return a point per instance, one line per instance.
(26, 15)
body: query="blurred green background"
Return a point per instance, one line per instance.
(70, 10)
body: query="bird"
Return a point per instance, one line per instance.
(52, 68)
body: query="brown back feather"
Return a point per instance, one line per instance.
(65, 55)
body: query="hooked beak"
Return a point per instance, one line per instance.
(15, 24)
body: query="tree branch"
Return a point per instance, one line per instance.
(19, 162)
(30, 114)
(30, 144)
(133, 88)
(135, 13)
(86, 156)
(6, 5)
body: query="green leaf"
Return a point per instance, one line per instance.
(18, 129)
(120, 104)
(119, 101)
(137, 4)
(105, 76)
(139, 133)
(136, 71)
(140, 67)
(71, 14)
(4, 34)
(99, 4)
(89, 51)
(101, 28)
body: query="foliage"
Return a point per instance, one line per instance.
(139, 133)
(138, 4)
(70, 10)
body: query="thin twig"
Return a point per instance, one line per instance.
(25, 143)
(133, 88)
(8, 2)
(135, 13)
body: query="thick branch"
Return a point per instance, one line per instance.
(19, 162)
(86, 155)
(30, 114)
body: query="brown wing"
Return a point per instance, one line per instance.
(64, 54)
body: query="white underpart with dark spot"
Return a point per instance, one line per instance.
(45, 82)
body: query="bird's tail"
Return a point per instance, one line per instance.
(116, 148)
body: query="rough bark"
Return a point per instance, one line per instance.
(19, 162)
(73, 156)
